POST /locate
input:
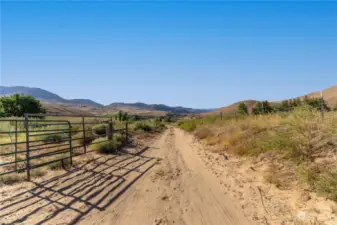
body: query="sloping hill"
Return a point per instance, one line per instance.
(38, 93)
(87, 102)
(329, 94)
(46, 96)
(231, 109)
(69, 110)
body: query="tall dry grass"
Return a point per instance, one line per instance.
(300, 137)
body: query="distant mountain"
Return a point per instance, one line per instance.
(54, 101)
(44, 95)
(156, 107)
(84, 102)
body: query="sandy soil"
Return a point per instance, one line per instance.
(245, 180)
(165, 182)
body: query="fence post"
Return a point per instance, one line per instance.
(126, 131)
(27, 148)
(84, 138)
(70, 145)
(110, 131)
(220, 115)
(16, 145)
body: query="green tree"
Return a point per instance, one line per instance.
(298, 102)
(16, 105)
(284, 106)
(263, 108)
(316, 103)
(242, 109)
(124, 116)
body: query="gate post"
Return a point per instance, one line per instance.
(84, 138)
(110, 131)
(16, 145)
(70, 145)
(27, 147)
(126, 131)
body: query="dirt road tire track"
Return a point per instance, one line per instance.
(179, 190)
(166, 184)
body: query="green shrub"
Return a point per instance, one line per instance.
(159, 127)
(99, 129)
(119, 138)
(104, 146)
(53, 138)
(188, 125)
(142, 126)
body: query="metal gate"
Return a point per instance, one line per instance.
(47, 142)
(35, 141)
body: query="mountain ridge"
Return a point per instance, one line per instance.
(49, 97)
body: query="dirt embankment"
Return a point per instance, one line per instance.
(266, 202)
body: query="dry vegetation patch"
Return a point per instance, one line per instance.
(299, 147)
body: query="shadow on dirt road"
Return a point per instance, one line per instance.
(68, 198)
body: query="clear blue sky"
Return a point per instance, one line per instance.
(196, 54)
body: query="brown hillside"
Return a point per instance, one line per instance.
(66, 109)
(329, 94)
(231, 109)
(75, 109)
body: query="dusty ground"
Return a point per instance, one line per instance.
(161, 183)
(245, 180)
(171, 180)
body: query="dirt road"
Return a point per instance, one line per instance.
(164, 183)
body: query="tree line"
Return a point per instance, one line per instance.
(18, 104)
(264, 107)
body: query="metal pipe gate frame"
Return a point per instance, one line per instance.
(40, 122)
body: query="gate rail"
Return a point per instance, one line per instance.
(31, 148)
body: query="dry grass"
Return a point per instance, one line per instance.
(13, 178)
(299, 138)
(203, 133)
